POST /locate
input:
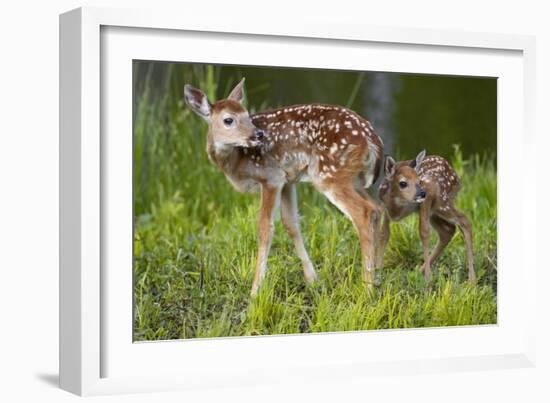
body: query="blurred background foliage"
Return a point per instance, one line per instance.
(410, 111)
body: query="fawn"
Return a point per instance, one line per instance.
(428, 185)
(332, 147)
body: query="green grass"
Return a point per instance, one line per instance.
(195, 247)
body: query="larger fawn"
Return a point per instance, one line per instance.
(427, 185)
(330, 146)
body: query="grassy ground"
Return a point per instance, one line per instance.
(195, 248)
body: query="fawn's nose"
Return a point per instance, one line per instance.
(259, 134)
(422, 194)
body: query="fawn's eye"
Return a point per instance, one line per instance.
(402, 184)
(228, 121)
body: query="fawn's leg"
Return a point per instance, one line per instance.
(383, 240)
(289, 217)
(466, 228)
(364, 213)
(424, 230)
(359, 183)
(445, 231)
(270, 198)
(457, 218)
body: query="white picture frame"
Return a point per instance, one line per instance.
(96, 354)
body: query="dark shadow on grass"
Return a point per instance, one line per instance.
(49, 379)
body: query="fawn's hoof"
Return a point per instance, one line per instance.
(370, 289)
(377, 281)
(369, 277)
(311, 277)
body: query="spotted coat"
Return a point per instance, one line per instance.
(318, 141)
(436, 172)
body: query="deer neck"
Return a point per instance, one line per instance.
(223, 155)
(398, 211)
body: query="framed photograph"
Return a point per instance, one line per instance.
(237, 208)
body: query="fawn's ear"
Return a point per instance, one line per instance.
(418, 160)
(389, 166)
(197, 101)
(238, 92)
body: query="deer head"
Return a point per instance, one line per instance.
(403, 181)
(229, 124)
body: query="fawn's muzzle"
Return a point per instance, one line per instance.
(259, 134)
(420, 195)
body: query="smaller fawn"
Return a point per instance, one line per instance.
(427, 185)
